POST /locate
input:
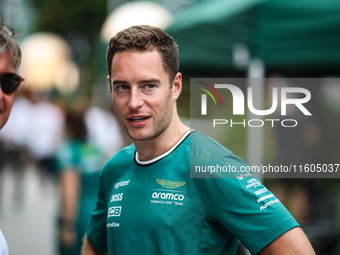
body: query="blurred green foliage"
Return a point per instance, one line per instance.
(79, 23)
(65, 16)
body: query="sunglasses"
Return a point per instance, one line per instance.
(10, 82)
(7, 30)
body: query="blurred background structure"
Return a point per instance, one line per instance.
(64, 46)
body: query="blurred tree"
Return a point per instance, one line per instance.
(79, 23)
(62, 16)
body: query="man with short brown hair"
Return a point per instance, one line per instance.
(147, 203)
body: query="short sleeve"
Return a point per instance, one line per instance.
(247, 209)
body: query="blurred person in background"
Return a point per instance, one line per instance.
(28, 142)
(78, 163)
(98, 120)
(45, 131)
(10, 58)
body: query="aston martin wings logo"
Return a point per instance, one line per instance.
(170, 184)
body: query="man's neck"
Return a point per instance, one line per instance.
(150, 149)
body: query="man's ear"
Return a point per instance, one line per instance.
(108, 78)
(177, 86)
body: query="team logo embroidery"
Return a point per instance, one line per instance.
(170, 184)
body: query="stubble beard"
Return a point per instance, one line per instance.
(156, 129)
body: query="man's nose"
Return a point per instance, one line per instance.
(136, 99)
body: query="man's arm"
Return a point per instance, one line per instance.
(88, 248)
(293, 241)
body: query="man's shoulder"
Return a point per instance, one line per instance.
(202, 142)
(207, 152)
(122, 157)
(116, 166)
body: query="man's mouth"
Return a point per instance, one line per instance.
(138, 118)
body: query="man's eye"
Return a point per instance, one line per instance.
(149, 86)
(122, 88)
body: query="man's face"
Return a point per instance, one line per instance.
(144, 100)
(6, 101)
